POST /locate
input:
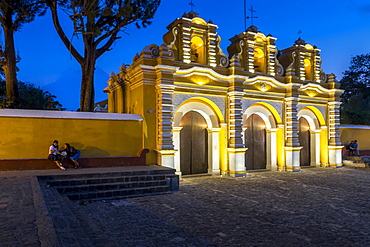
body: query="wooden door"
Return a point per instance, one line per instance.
(304, 140)
(193, 144)
(255, 141)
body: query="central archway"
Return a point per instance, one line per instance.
(255, 141)
(262, 121)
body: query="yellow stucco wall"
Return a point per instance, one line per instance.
(30, 137)
(361, 133)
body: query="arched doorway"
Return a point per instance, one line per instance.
(304, 140)
(193, 144)
(255, 141)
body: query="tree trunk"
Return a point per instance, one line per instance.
(87, 85)
(10, 69)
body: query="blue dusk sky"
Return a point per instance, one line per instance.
(340, 28)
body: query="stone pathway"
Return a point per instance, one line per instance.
(315, 207)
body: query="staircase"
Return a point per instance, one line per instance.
(113, 185)
(357, 162)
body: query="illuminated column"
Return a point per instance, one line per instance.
(165, 148)
(315, 147)
(292, 146)
(214, 151)
(236, 150)
(335, 147)
(212, 41)
(271, 149)
(176, 143)
(186, 34)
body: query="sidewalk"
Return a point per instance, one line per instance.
(315, 207)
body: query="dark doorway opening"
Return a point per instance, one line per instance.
(304, 140)
(255, 141)
(193, 144)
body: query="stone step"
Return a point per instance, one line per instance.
(63, 181)
(66, 225)
(116, 193)
(107, 174)
(108, 186)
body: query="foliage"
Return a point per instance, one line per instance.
(98, 23)
(30, 97)
(20, 12)
(13, 14)
(356, 97)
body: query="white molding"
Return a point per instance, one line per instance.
(18, 113)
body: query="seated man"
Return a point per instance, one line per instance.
(354, 148)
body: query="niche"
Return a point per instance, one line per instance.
(259, 60)
(197, 50)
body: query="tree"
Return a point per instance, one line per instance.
(13, 14)
(99, 23)
(30, 97)
(356, 97)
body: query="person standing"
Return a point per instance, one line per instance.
(55, 156)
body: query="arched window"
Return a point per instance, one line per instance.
(259, 60)
(197, 52)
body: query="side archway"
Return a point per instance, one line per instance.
(261, 124)
(311, 136)
(196, 137)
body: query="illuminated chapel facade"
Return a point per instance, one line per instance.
(208, 112)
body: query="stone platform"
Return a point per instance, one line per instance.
(315, 207)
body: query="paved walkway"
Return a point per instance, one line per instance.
(315, 207)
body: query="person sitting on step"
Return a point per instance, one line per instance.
(54, 155)
(71, 153)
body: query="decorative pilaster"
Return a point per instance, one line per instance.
(271, 57)
(271, 149)
(335, 147)
(316, 151)
(164, 87)
(212, 44)
(292, 146)
(176, 143)
(236, 148)
(213, 149)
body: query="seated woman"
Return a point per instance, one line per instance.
(71, 153)
(54, 155)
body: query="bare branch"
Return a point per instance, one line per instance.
(63, 37)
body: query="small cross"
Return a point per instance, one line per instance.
(299, 33)
(192, 5)
(252, 17)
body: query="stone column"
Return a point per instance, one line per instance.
(214, 151)
(165, 88)
(236, 150)
(315, 136)
(271, 148)
(292, 146)
(176, 143)
(335, 146)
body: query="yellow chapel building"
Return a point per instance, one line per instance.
(208, 112)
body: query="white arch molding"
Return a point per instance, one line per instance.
(213, 128)
(315, 132)
(271, 131)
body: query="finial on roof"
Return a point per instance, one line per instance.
(300, 41)
(253, 29)
(190, 15)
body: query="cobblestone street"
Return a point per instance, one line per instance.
(315, 207)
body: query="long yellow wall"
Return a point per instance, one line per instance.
(28, 134)
(361, 133)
